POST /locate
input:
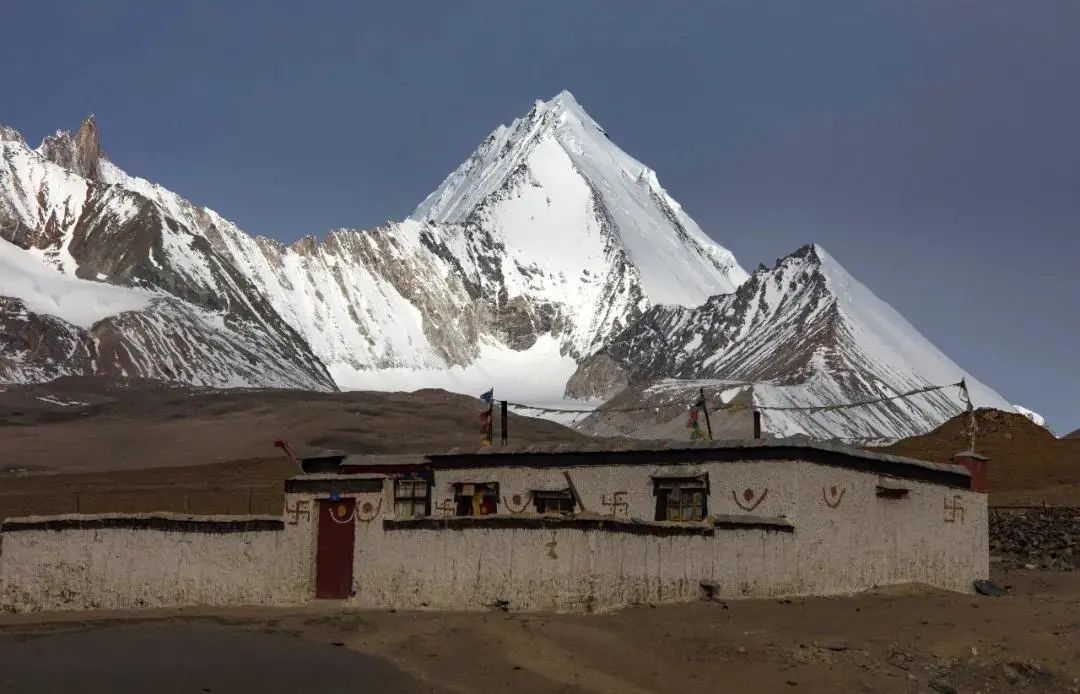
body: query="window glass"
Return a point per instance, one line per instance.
(476, 499)
(553, 501)
(410, 498)
(681, 499)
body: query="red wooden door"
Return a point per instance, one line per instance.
(334, 553)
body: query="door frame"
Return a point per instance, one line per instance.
(323, 505)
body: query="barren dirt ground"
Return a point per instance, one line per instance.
(899, 641)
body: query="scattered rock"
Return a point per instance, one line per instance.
(943, 687)
(987, 587)
(1041, 538)
(832, 645)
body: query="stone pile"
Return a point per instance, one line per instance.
(1039, 538)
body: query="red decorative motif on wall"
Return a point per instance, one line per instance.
(517, 504)
(340, 513)
(367, 511)
(300, 508)
(750, 499)
(833, 495)
(954, 513)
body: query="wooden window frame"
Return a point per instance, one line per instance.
(681, 499)
(560, 497)
(412, 499)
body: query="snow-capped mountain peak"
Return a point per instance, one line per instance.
(79, 153)
(553, 177)
(548, 250)
(544, 244)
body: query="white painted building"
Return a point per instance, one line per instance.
(533, 528)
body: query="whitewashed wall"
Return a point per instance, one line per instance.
(844, 541)
(104, 568)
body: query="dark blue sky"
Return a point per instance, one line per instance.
(931, 146)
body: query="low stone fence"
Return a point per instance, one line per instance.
(159, 560)
(1036, 538)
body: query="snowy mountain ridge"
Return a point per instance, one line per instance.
(805, 333)
(549, 264)
(470, 298)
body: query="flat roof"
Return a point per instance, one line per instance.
(669, 452)
(751, 447)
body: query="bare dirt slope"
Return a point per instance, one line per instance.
(92, 446)
(1028, 464)
(87, 425)
(911, 641)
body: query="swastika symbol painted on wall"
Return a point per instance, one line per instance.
(617, 502)
(954, 512)
(300, 508)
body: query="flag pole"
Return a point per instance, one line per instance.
(705, 409)
(504, 420)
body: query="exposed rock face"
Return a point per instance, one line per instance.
(804, 332)
(548, 263)
(80, 154)
(528, 246)
(665, 415)
(211, 326)
(599, 376)
(36, 347)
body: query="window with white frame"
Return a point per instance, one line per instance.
(411, 498)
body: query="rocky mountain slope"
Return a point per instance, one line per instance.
(550, 263)
(82, 226)
(803, 333)
(544, 244)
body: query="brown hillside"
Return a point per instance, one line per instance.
(91, 445)
(1028, 464)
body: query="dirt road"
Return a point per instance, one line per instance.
(886, 642)
(184, 658)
